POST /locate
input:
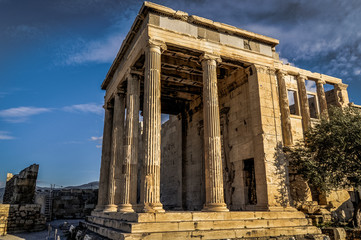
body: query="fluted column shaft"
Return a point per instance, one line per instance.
(152, 130)
(303, 102)
(212, 138)
(115, 146)
(118, 138)
(285, 109)
(321, 97)
(105, 161)
(130, 163)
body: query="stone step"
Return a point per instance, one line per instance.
(198, 225)
(197, 216)
(209, 234)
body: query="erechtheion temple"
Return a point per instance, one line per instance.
(215, 170)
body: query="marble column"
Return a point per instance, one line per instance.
(322, 97)
(305, 111)
(152, 130)
(212, 137)
(285, 109)
(118, 138)
(129, 174)
(115, 147)
(105, 162)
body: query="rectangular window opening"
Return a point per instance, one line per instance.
(293, 102)
(311, 86)
(313, 105)
(250, 182)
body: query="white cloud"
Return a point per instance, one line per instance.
(286, 61)
(5, 136)
(96, 138)
(85, 108)
(99, 51)
(21, 114)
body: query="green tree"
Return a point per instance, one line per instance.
(329, 157)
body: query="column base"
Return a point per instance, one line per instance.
(110, 208)
(125, 208)
(215, 207)
(153, 208)
(99, 208)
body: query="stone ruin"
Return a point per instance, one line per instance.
(20, 188)
(216, 170)
(18, 212)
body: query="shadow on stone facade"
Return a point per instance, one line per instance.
(281, 167)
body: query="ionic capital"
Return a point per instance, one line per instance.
(209, 56)
(320, 81)
(341, 86)
(120, 94)
(272, 71)
(156, 45)
(132, 73)
(108, 106)
(281, 73)
(301, 77)
(260, 68)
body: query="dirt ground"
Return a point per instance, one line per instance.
(43, 235)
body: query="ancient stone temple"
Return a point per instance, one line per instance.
(215, 170)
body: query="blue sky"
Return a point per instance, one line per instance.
(55, 54)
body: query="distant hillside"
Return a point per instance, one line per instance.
(91, 185)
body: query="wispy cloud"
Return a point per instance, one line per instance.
(5, 136)
(85, 108)
(97, 138)
(98, 51)
(21, 114)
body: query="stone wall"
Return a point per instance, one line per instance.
(193, 173)
(20, 188)
(21, 217)
(331, 97)
(237, 136)
(73, 203)
(171, 167)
